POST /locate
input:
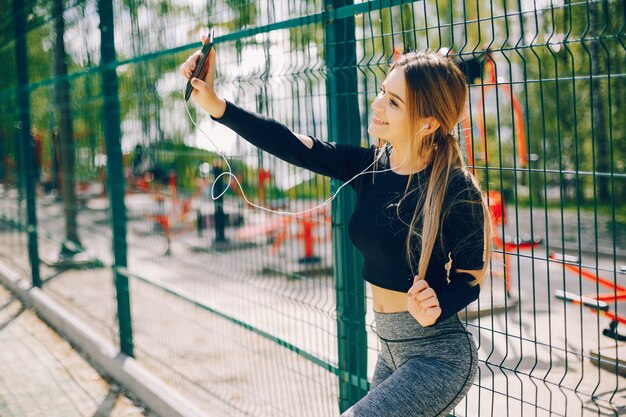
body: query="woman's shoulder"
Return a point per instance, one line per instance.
(463, 185)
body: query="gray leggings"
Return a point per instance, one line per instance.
(421, 371)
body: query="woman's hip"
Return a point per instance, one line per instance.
(402, 338)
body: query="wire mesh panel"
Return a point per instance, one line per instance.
(13, 198)
(66, 104)
(14, 166)
(251, 312)
(240, 276)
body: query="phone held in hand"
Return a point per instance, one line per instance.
(200, 71)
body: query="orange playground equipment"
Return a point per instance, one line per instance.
(176, 212)
(506, 244)
(491, 82)
(305, 228)
(598, 303)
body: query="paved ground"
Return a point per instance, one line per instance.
(43, 376)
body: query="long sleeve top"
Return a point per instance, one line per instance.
(378, 227)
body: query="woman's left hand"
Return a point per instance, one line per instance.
(423, 303)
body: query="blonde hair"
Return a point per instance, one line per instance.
(435, 88)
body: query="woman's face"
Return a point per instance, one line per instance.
(391, 114)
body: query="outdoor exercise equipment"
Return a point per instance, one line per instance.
(304, 228)
(490, 82)
(174, 218)
(506, 244)
(598, 303)
(482, 63)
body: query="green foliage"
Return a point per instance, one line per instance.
(581, 64)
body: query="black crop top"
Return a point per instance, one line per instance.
(378, 228)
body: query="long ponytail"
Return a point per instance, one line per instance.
(436, 88)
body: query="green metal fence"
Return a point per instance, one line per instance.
(107, 180)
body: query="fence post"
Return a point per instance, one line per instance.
(345, 126)
(25, 139)
(115, 172)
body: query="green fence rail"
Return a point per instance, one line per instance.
(106, 182)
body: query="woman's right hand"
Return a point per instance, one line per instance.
(203, 93)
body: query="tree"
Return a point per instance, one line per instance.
(66, 134)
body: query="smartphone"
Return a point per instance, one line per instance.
(200, 71)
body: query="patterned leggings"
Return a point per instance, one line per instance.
(421, 371)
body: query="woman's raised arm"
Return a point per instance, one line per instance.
(326, 158)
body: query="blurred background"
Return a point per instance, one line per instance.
(106, 182)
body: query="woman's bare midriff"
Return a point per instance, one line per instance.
(388, 301)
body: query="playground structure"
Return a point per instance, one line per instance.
(305, 231)
(174, 213)
(177, 215)
(505, 244)
(597, 303)
(489, 83)
(483, 63)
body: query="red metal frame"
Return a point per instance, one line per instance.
(492, 82)
(497, 209)
(618, 294)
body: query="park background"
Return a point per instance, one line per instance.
(106, 182)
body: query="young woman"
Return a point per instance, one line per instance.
(420, 222)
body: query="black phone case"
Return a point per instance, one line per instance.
(206, 48)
